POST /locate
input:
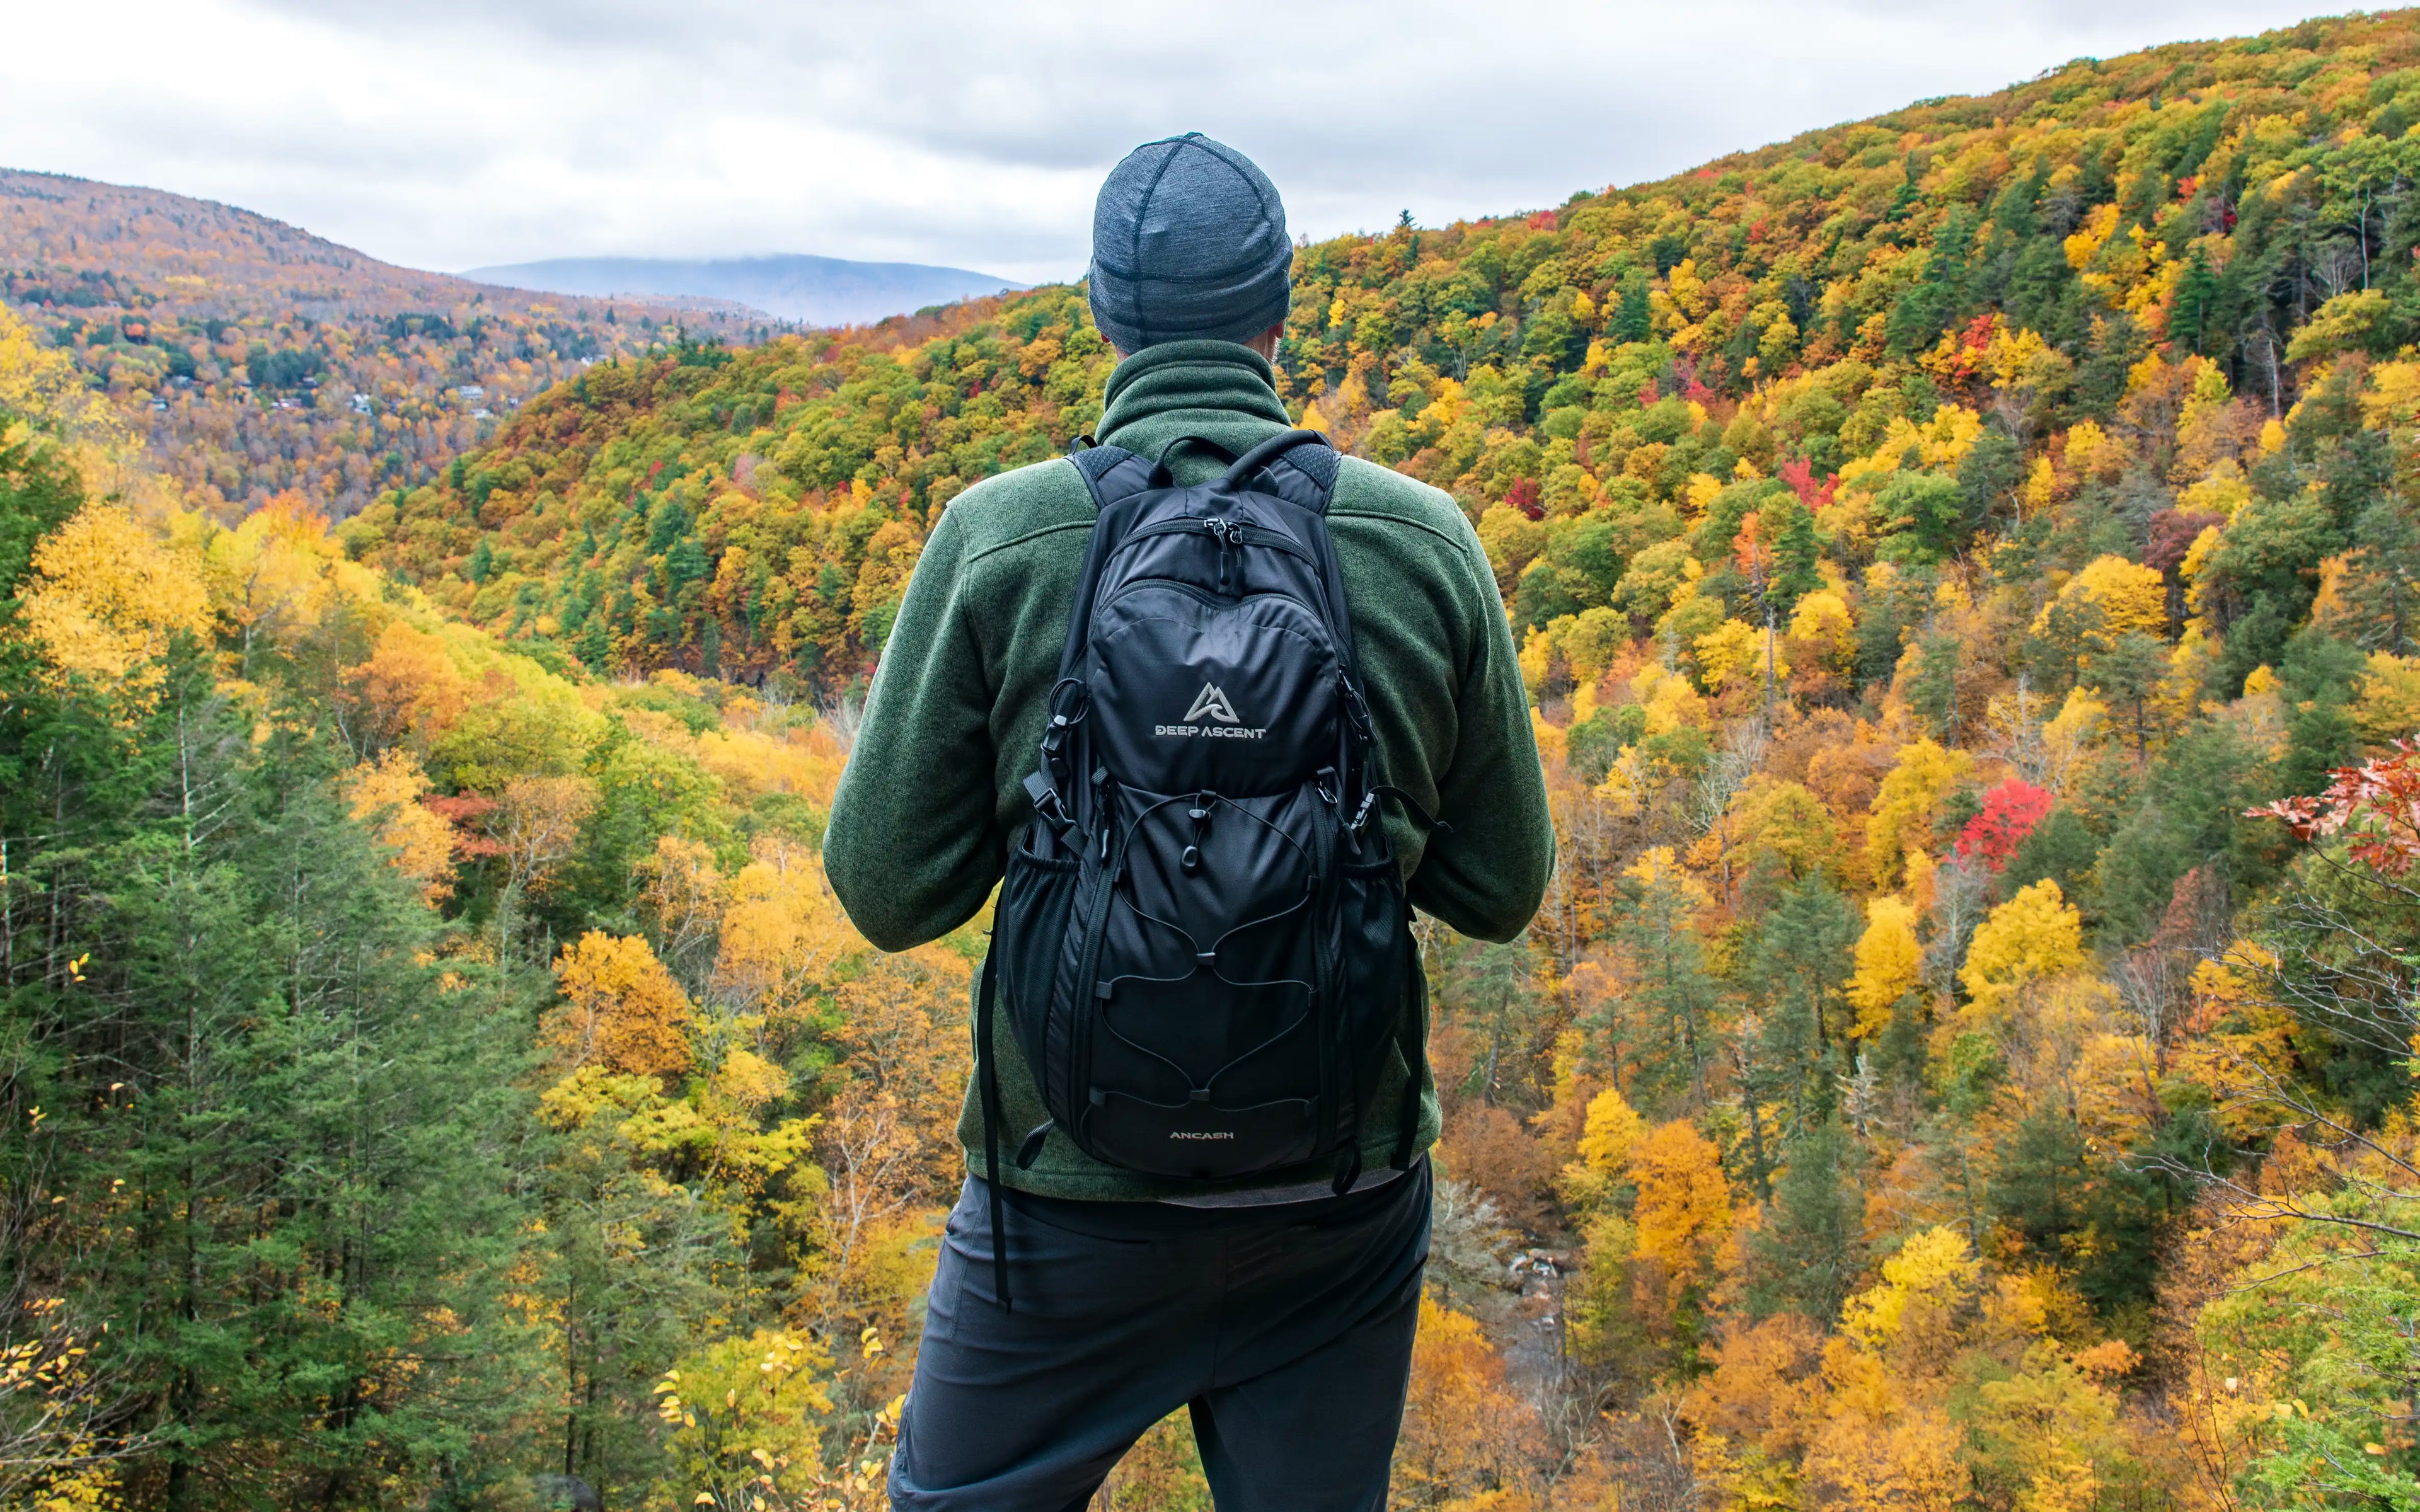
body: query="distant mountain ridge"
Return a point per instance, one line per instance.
(816, 291)
(260, 358)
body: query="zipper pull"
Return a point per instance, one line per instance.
(1230, 535)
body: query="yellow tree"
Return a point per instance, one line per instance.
(1780, 819)
(621, 1009)
(2047, 1432)
(385, 794)
(684, 896)
(44, 384)
(107, 600)
(1909, 799)
(1821, 643)
(2034, 935)
(1916, 1304)
(1464, 1433)
(780, 934)
(268, 575)
(2109, 598)
(887, 1144)
(1735, 653)
(1613, 1129)
(1890, 964)
(746, 1419)
(1888, 1443)
(2238, 1040)
(1685, 1204)
(410, 688)
(1906, 1458)
(1766, 1391)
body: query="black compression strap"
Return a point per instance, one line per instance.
(1416, 1055)
(988, 1073)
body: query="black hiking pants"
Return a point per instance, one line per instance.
(1286, 1330)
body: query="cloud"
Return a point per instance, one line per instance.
(450, 133)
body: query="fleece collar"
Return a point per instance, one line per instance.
(1216, 390)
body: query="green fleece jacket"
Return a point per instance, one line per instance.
(933, 794)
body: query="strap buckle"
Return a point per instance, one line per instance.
(1045, 802)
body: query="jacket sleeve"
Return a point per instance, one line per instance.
(1488, 874)
(913, 847)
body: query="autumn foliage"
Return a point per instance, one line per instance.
(1939, 549)
(2010, 811)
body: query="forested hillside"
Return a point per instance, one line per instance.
(1965, 564)
(270, 361)
(420, 1065)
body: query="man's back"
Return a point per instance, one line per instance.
(934, 792)
(1279, 1309)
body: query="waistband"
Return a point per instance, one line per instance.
(1152, 1220)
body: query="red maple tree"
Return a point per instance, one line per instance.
(2010, 811)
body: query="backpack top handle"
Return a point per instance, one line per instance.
(1241, 469)
(1161, 477)
(1267, 452)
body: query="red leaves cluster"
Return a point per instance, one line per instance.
(465, 813)
(1800, 475)
(1523, 497)
(2374, 805)
(2172, 533)
(2010, 811)
(1964, 363)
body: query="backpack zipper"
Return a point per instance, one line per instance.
(1205, 597)
(1243, 534)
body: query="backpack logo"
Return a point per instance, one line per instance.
(1211, 703)
(1225, 723)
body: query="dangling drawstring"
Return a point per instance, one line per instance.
(1200, 814)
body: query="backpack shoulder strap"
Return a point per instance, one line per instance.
(1298, 466)
(1111, 476)
(1098, 464)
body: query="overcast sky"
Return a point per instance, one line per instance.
(451, 133)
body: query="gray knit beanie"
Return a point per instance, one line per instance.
(1188, 241)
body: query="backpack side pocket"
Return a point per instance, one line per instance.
(1372, 927)
(1028, 931)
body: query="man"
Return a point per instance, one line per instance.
(1278, 1310)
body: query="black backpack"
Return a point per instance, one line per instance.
(1202, 938)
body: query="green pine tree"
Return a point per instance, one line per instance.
(1807, 1254)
